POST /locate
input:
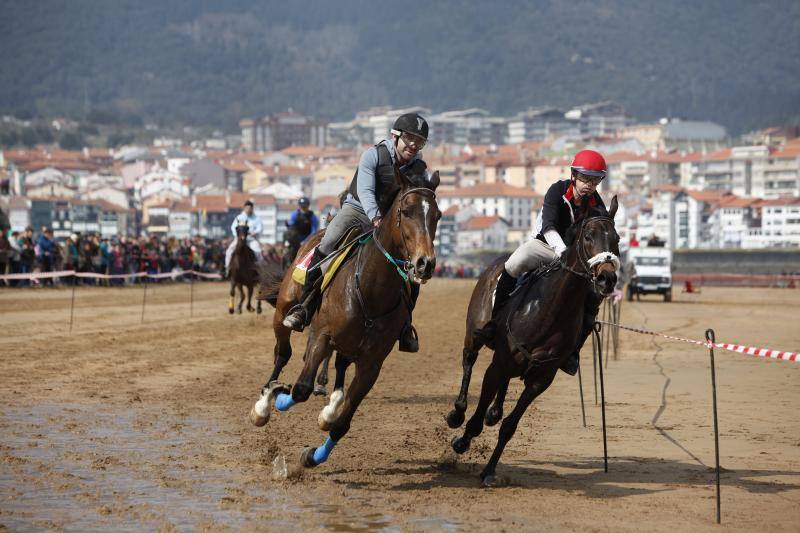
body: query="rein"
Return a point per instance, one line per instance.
(401, 266)
(588, 263)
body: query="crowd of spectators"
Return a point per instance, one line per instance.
(25, 252)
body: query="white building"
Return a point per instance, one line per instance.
(481, 233)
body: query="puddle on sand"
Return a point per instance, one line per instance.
(79, 467)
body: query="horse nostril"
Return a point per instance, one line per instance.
(424, 265)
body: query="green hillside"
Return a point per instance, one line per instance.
(213, 62)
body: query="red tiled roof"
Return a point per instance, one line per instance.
(452, 210)
(489, 190)
(480, 223)
(708, 196)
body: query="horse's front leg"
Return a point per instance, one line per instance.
(233, 295)
(259, 413)
(241, 299)
(332, 411)
(366, 375)
(535, 384)
(318, 348)
(495, 412)
(250, 308)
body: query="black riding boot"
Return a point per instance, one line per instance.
(409, 341)
(505, 285)
(300, 315)
(590, 310)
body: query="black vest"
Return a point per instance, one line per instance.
(386, 186)
(302, 224)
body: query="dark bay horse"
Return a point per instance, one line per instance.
(362, 312)
(537, 330)
(243, 272)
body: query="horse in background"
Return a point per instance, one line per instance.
(361, 314)
(538, 328)
(243, 272)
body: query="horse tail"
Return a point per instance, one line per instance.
(270, 276)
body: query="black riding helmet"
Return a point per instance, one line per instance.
(412, 123)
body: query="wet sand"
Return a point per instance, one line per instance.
(128, 426)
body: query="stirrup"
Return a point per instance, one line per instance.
(296, 318)
(409, 340)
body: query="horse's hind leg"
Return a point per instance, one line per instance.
(331, 411)
(495, 412)
(492, 381)
(534, 386)
(366, 375)
(470, 354)
(322, 378)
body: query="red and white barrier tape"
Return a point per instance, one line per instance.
(35, 276)
(749, 350)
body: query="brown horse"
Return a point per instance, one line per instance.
(362, 312)
(243, 272)
(538, 329)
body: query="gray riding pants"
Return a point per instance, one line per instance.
(529, 256)
(346, 218)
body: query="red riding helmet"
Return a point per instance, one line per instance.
(590, 163)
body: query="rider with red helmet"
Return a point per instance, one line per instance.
(562, 204)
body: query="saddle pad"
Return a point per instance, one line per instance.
(328, 266)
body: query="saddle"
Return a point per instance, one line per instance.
(532, 276)
(331, 264)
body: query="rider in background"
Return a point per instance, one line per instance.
(302, 224)
(369, 197)
(562, 205)
(254, 229)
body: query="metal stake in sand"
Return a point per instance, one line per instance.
(711, 339)
(72, 303)
(191, 293)
(144, 299)
(580, 385)
(597, 328)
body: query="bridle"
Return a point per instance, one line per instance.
(589, 263)
(403, 266)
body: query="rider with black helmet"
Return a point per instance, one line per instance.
(369, 197)
(302, 223)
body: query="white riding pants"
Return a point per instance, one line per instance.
(252, 243)
(529, 256)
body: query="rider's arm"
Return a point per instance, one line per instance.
(255, 231)
(555, 241)
(233, 226)
(314, 224)
(292, 219)
(552, 202)
(365, 183)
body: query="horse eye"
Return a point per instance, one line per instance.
(587, 238)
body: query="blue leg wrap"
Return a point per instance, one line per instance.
(283, 402)
(321, 454)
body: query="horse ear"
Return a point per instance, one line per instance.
(614, 206)
(434, 180)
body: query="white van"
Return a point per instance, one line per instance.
(649, 270)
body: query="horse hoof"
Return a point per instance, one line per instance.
(230, 310)
(239, 311)
(459, 444)
(319, 390)
(307, 458)
(455, 418)
(493, 416)
(257, 419)
(489, 481)
(258, 311)
(250, 309)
